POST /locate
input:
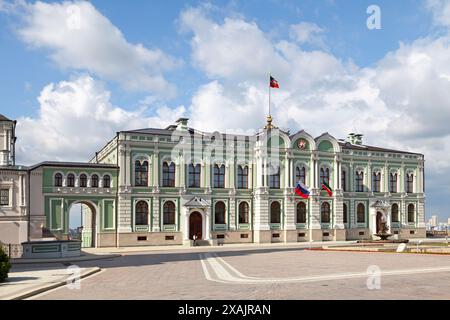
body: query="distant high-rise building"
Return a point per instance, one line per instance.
(434, 221)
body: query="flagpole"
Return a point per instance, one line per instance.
(270, 85)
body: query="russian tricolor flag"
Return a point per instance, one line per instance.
(302, 190)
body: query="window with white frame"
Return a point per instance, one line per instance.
(300, 174)
(4, 197)
(393, 182)
(409, 182)
(359, 179)
(376, 185)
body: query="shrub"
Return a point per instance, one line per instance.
(4, 265)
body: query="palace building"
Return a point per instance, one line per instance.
(163, 186)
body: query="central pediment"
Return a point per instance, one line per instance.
(197, 202)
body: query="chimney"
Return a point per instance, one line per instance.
(355, 138)
(182, 124)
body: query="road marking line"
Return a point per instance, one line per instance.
(219, 267)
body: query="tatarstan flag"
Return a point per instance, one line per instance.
(273, 83)
(327, 188)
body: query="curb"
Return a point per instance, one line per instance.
(250, 246)
(63, 260)
(45, 288)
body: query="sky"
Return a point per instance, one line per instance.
(73, 73)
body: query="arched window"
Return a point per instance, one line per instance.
(300, 174)
(275, 212)
(106, 181)
(344, 180)
(94, 181)
(376, 181)
(324, 175)
(345, 213)
(58, 180)
(325, 213)
(243, 212)
(361, 213)
(168, 174)
(274, 179)
(83, 180)
(301, 212)
(393, 183)
(411, 213)
(219, 213)
(71, 180)
(141, 174)
(169, 212)
(409, 183)
(194, 176)
(141, 213)
(359, 181)
(242, 177)
(219, 176)
(394, 213)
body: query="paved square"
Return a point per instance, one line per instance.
(278, 273)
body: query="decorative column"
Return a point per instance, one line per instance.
(250, 175)
(156, 223)
(156, 169)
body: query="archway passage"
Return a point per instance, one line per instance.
(82, 223)
(379, 221)
(195, 225)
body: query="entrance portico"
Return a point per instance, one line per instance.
(379, 212)
(197, 219)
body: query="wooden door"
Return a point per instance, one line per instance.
(195, 225)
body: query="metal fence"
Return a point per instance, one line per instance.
(12, 250)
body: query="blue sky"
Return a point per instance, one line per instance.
(154, 24)
(398, 74)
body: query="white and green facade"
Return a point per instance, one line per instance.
(167, 185)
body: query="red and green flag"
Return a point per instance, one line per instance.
(327, 188)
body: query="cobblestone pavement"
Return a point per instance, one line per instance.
(262, 274)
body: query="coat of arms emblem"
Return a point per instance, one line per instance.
(301, 144)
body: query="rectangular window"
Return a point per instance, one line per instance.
(168, 175)
(393, 183)
(376, 182)
(359, 182)
(219, 176)
(343, 181)
(194, 176)
(274, 180)
(409, 183)
(4, 197)
(56, 217)
(108, 222)
(242, 177)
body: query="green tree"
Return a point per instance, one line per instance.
(5, 265)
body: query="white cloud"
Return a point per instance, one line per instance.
(234, 49)
(440, 10)
(400, 103)
(76, 118)
(307, 33)
(78, 37)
